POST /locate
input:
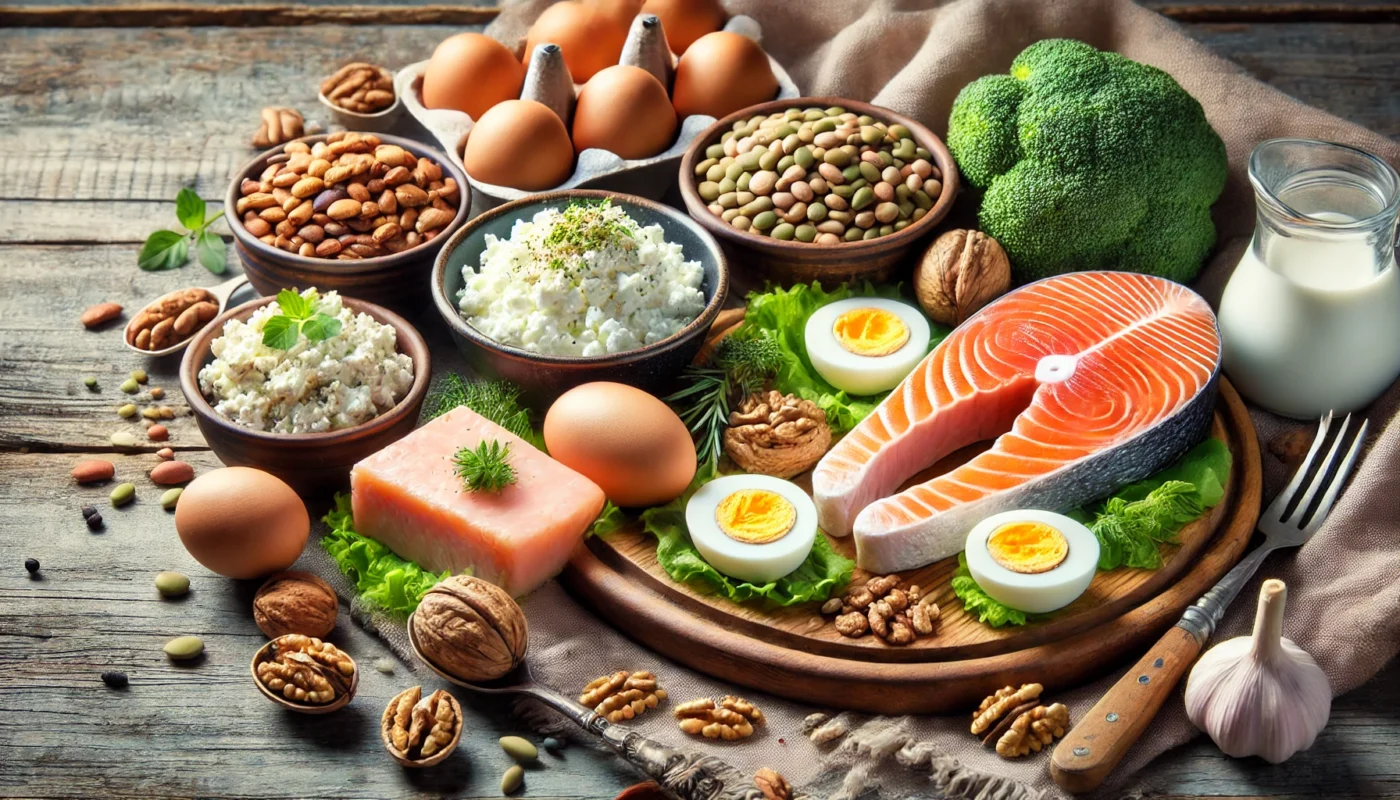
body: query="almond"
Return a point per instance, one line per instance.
(93, 470)
(430, 219)
(165, 454)
(100, 313)
(158, 433)
(170, 473)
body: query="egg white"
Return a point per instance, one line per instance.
(859, 374)
(1040, 592)
(755, 563)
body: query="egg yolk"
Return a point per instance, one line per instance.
(755, 516)
(870, 331)
(1028, 547)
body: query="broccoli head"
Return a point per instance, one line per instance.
(1089, 160)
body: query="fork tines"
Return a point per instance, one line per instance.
(1328, 475)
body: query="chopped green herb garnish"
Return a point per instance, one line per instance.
(584, 227)
(485, 469)
(299, 317)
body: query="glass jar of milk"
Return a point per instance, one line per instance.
(1311, 317)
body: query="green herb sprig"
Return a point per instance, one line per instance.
(299, 318)
(485, 469)
(167, 249)
(498, 401)
(740, 367)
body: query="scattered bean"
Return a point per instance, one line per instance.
(385, 665)
(90, 382)
(130, 386)
(157, 433)
(184, 648)
(157, 393)
(123, 494)
(123, 439)
(170, 497)
(513, 779)
(552, 744)
(31, 565)
(165, 454)
(139, 375)
(172, 584)
(519, 748)
(115, 680)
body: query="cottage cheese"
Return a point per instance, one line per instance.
(583, 282)
(335, 383)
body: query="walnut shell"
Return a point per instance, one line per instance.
(959, 273)
(775, 434)
(470, 628)
(295, 602)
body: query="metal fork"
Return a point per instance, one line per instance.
(1090, 751)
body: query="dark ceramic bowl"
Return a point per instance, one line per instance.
(790, 262)
(544, 377)
(314, 464)
(399, 281)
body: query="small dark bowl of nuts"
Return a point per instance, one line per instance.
(818, 188)
(361, 213)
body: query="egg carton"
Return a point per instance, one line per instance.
(547, 81)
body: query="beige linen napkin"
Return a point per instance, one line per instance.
(914, 56)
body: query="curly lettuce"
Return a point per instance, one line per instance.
(382, 579)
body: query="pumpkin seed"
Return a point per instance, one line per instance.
(123, 494)
(139, 375)
(512, 780)
(127, 411)
(172, 584)
(519, 748)
(170, 498)
(90, 382)
(130, 386)
(183, 648)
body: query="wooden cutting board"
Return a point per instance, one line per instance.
(797, 653)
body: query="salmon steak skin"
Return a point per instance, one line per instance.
(1087, 382)
(409, 497)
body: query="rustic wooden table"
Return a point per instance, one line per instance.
(102, 119)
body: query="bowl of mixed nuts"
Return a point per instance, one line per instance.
(361, 213)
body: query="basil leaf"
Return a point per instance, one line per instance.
(163, 250)
(211, 252)
(320, 327)
(281, 333)
(189, 209)
(293, 305)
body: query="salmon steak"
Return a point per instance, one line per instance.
(1086, 381)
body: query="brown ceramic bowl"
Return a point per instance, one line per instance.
(314, 464)
(264, 653)
(545, 377)
(399, 281)
(790, 262)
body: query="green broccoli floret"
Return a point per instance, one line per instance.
(1089, 160)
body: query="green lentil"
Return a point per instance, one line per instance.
(714, 151)
(130, 386)
(123, 493)
(784, 163)
(709, 191)
(803, 157)
(805, 233)
(765, 220)
(170, 497)
(769, 159)
(183, 648)
(863, 197)
(172, 584)
(139, 375)
(90, 382)
(127, 411)
(816, 212)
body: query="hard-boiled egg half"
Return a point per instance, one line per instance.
(1033, 561)
(752, 527)
(866, 345)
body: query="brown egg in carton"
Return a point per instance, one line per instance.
(547, 81)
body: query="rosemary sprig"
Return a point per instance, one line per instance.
(485, 469)
(741, 367)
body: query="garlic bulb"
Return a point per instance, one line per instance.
(1260, 695)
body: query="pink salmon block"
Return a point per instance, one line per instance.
(409, 497)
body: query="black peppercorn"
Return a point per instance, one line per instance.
(116, 680)
(89, 511)
(31, 565)
(94, 522)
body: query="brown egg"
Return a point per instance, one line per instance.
(623, 10)
(720, 73)
(471, 72)
(590, 38)
(684, 21)
(628, 442)
(624, 109)
(520, 144)
(242, 522)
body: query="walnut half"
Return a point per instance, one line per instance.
(776, 434)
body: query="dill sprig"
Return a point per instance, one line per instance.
(741, 367)
(485, 469)
(498, 401)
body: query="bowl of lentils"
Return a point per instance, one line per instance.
(818, 188)
(363, 214)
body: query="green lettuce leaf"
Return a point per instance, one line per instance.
(610, 519)
(979, 603)
(823, 573)
(782, 314)
(381, 578)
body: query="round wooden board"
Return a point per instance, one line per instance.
(796, 653)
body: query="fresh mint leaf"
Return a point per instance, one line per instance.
(189, 209)
(320, 327)
(211, 252)
(294, 306)
(163, 250)
(281, 333)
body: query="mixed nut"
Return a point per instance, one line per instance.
(1014, 722)
(897, 616)
(818, 175)
(622, 695)
(348, 197)
(360, 87)
(729, 719)
(771, 433)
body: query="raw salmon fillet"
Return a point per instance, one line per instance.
(409, 497)
(1087, 381)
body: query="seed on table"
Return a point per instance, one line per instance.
(170, 497)
(151, 412)
(385, 665)
(519, 748)
(172, 584)
(157, 393)
(138, 375)
(115, 680)
(123, 494)
(183, 648)
(90, 382)
(130, 386)
(157, 433)
(512, 780)
(166, 412)
(123, 439)
(31, 565)
(165, 454)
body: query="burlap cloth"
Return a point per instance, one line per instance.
(913, 57)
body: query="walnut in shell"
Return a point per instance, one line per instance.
(959, 273)
(421, 731)
(295, 602)
(470, 628)
(776, 434)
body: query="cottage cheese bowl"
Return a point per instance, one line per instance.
(308, 413)
(575, 286)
